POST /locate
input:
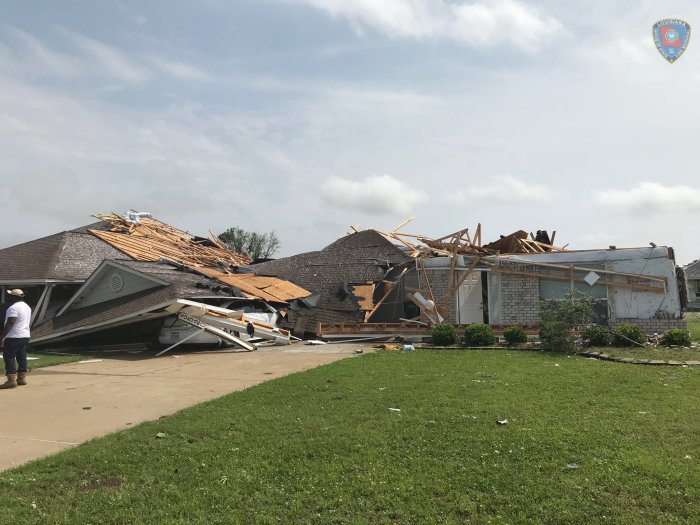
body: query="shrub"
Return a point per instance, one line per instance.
(575, 309)
(478, 334)
(514, 335)
(596, 336)
(676, 336)
(555, 336)
(627, 334)
(445, 335)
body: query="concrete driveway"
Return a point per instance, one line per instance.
(65, 405)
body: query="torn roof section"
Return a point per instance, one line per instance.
(343, 275)
(147, 239)
(144, 287)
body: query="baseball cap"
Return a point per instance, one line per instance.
(16, 292)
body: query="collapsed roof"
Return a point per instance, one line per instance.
(343, 275)
(168, 284)
(147, 239)
(151, 263)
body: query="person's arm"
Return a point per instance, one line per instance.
(8, 326)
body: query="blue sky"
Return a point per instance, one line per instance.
(308, 116)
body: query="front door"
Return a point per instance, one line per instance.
(470, 307)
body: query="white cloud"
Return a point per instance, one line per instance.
(478, 24)
(504, 189)
(31, 57)
(100, 157)
(651, 197)
(110, 59)
(376, 194)
(620, 50)
(179, 70)
(41, 58)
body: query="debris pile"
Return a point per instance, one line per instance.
(147, 239)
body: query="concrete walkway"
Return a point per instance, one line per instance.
(65, 405)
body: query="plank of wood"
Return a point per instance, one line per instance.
(404, 223)
(381, 301)
(464, 276)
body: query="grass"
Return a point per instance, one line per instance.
(694, 327)
(43, 359)
(693, 319)
(586, 442)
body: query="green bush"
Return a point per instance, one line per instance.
(676, 336)
(478, 334)
(575, 309)
(555, 336)
(596, 336)
(445, 335)
(628, 334)
(514, 335)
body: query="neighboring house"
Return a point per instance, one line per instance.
(692, 277)
(348, 279)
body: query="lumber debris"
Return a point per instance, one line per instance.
(150, 240)
(147, 239)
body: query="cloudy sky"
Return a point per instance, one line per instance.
(308, 116)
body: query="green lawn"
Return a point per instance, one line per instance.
(694, 327)
(586, 442)
(693, 319)
(40, 360)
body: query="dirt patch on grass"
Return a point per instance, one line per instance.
(107, 483)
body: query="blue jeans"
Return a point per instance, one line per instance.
(15, 348)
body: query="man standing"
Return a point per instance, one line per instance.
(15, 337)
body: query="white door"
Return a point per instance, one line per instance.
(470, 308)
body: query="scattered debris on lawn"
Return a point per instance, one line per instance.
(502, 422)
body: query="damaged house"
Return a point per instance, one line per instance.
(460, 281)
(129, 278)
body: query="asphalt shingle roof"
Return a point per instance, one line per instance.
(692, 271)
(357, 258)
(70, 256)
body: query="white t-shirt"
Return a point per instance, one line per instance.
(23, 313)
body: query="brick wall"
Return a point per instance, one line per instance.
(652, 326)
(438, 284)
(520, 296)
